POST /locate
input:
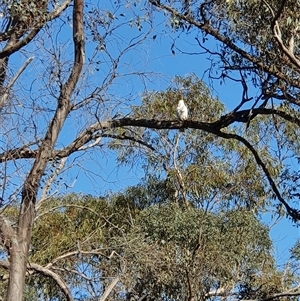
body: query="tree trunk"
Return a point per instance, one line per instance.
(19, 245)
(20, 248)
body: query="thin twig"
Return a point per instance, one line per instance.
(12, 82)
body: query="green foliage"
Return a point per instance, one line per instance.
(212, 249)
(296, 251)
(240, 17)
(157, 247)
(215, 172)
(189, 228)
(202, 105)
(27, 12)
(248, 24)
(64, 223)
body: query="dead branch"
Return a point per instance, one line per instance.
(50, 180)
(19, 251)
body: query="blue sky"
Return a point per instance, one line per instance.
(157, 53)
(154, 56)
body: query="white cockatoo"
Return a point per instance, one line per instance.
(182, 111)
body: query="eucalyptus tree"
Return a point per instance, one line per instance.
(112, 249)
(255, 44)
(48, 89)
(59, 101)
(188, 230)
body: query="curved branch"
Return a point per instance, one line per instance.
(207, 28)
(65, 206)
(33, 267)
(10, 49)
(91, 134)
(125, 137)
(243, 116)
(293, 213)
(48, 273)
(4, 97)
(277, 32)
(214, 128)
(100, 252)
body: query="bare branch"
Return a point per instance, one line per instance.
(48, 273)
(64, 206)
(10, 49)
(9, 86)
(50, 180)
(91, 133)
(109, 288)
(126, 137)
(293, 213)
(207, 28)
(23, 152)
(178, 173)
(19, 253)
(79, 251)
(214, 128)
(33, 267)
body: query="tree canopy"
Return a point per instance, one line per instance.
(77, 81)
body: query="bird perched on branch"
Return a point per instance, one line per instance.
(182, 111)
